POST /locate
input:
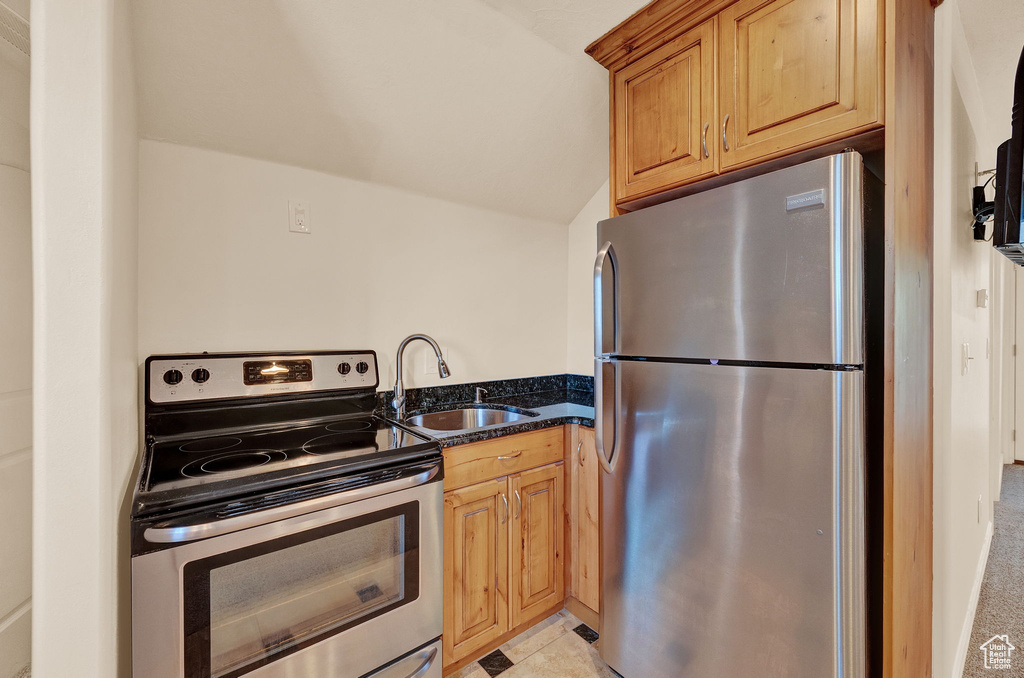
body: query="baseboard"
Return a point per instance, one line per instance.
(963, 647)
(583, 613)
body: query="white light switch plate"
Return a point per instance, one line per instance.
(965, 359)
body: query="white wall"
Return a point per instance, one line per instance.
(966, 436)
(580, 271)
(219, 270)
(84, 192)
(16, 377)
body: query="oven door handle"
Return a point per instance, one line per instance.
(172, 532)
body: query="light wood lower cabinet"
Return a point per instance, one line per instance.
(538, 534)
(475, 567)
(503, 551)
(585, 520)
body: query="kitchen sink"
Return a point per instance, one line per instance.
(469, 417)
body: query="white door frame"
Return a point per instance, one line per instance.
(1018, 365)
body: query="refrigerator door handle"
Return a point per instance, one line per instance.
(605, 302)
(605, 412)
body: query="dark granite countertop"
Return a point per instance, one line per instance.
(556, 400)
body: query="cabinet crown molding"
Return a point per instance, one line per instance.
(651, 26)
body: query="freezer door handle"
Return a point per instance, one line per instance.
(605, 302)
(605, 412)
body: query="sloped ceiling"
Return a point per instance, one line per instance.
(485, 102)
(995, 35)
(20, 7)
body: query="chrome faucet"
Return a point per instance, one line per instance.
(442, 371)
(481, 393)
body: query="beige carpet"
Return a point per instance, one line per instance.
(1001, 603)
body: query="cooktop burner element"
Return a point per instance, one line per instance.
(211, 444)
(259, 422)
(230, 463)
(343, 426)
(329, 444)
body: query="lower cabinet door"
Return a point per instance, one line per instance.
(538, 536)
(586, 513)
(476, 566)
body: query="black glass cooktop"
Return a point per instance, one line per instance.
(189, 469)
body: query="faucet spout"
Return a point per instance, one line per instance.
(442, 370)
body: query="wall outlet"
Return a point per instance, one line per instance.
(430, 360)
(298, 217)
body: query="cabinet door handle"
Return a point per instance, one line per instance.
(504, 499)
(725, 138)
(704, 139)
(519, 504)
(579, 453)
(511, 456)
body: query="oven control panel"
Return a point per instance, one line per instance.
(216, 376)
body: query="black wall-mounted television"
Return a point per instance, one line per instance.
(1007, 233)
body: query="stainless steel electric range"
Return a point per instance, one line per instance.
(279, 527)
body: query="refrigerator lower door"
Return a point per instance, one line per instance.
(732, 520)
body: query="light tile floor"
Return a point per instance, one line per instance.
(551, 649)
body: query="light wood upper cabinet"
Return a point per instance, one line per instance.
(796, 72)
(538, 534)
(664, 110)
(476, 566)
(750, 80)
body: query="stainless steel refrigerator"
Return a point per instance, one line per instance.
(730, 390)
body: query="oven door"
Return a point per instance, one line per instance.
(336, 592)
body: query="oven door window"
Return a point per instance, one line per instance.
(251, 606)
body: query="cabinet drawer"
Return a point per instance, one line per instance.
(477, 462)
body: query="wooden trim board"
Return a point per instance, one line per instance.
(583, 613)
(907, 426)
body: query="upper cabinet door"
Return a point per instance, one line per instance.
(663, 105)
(796, 73)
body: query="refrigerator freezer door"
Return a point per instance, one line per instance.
(767, 269)
(733, 520)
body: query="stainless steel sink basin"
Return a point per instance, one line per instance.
(468, 417)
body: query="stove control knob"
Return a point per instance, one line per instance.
(172, 377)
(344, 368)
(201, 375)
(362, 368)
